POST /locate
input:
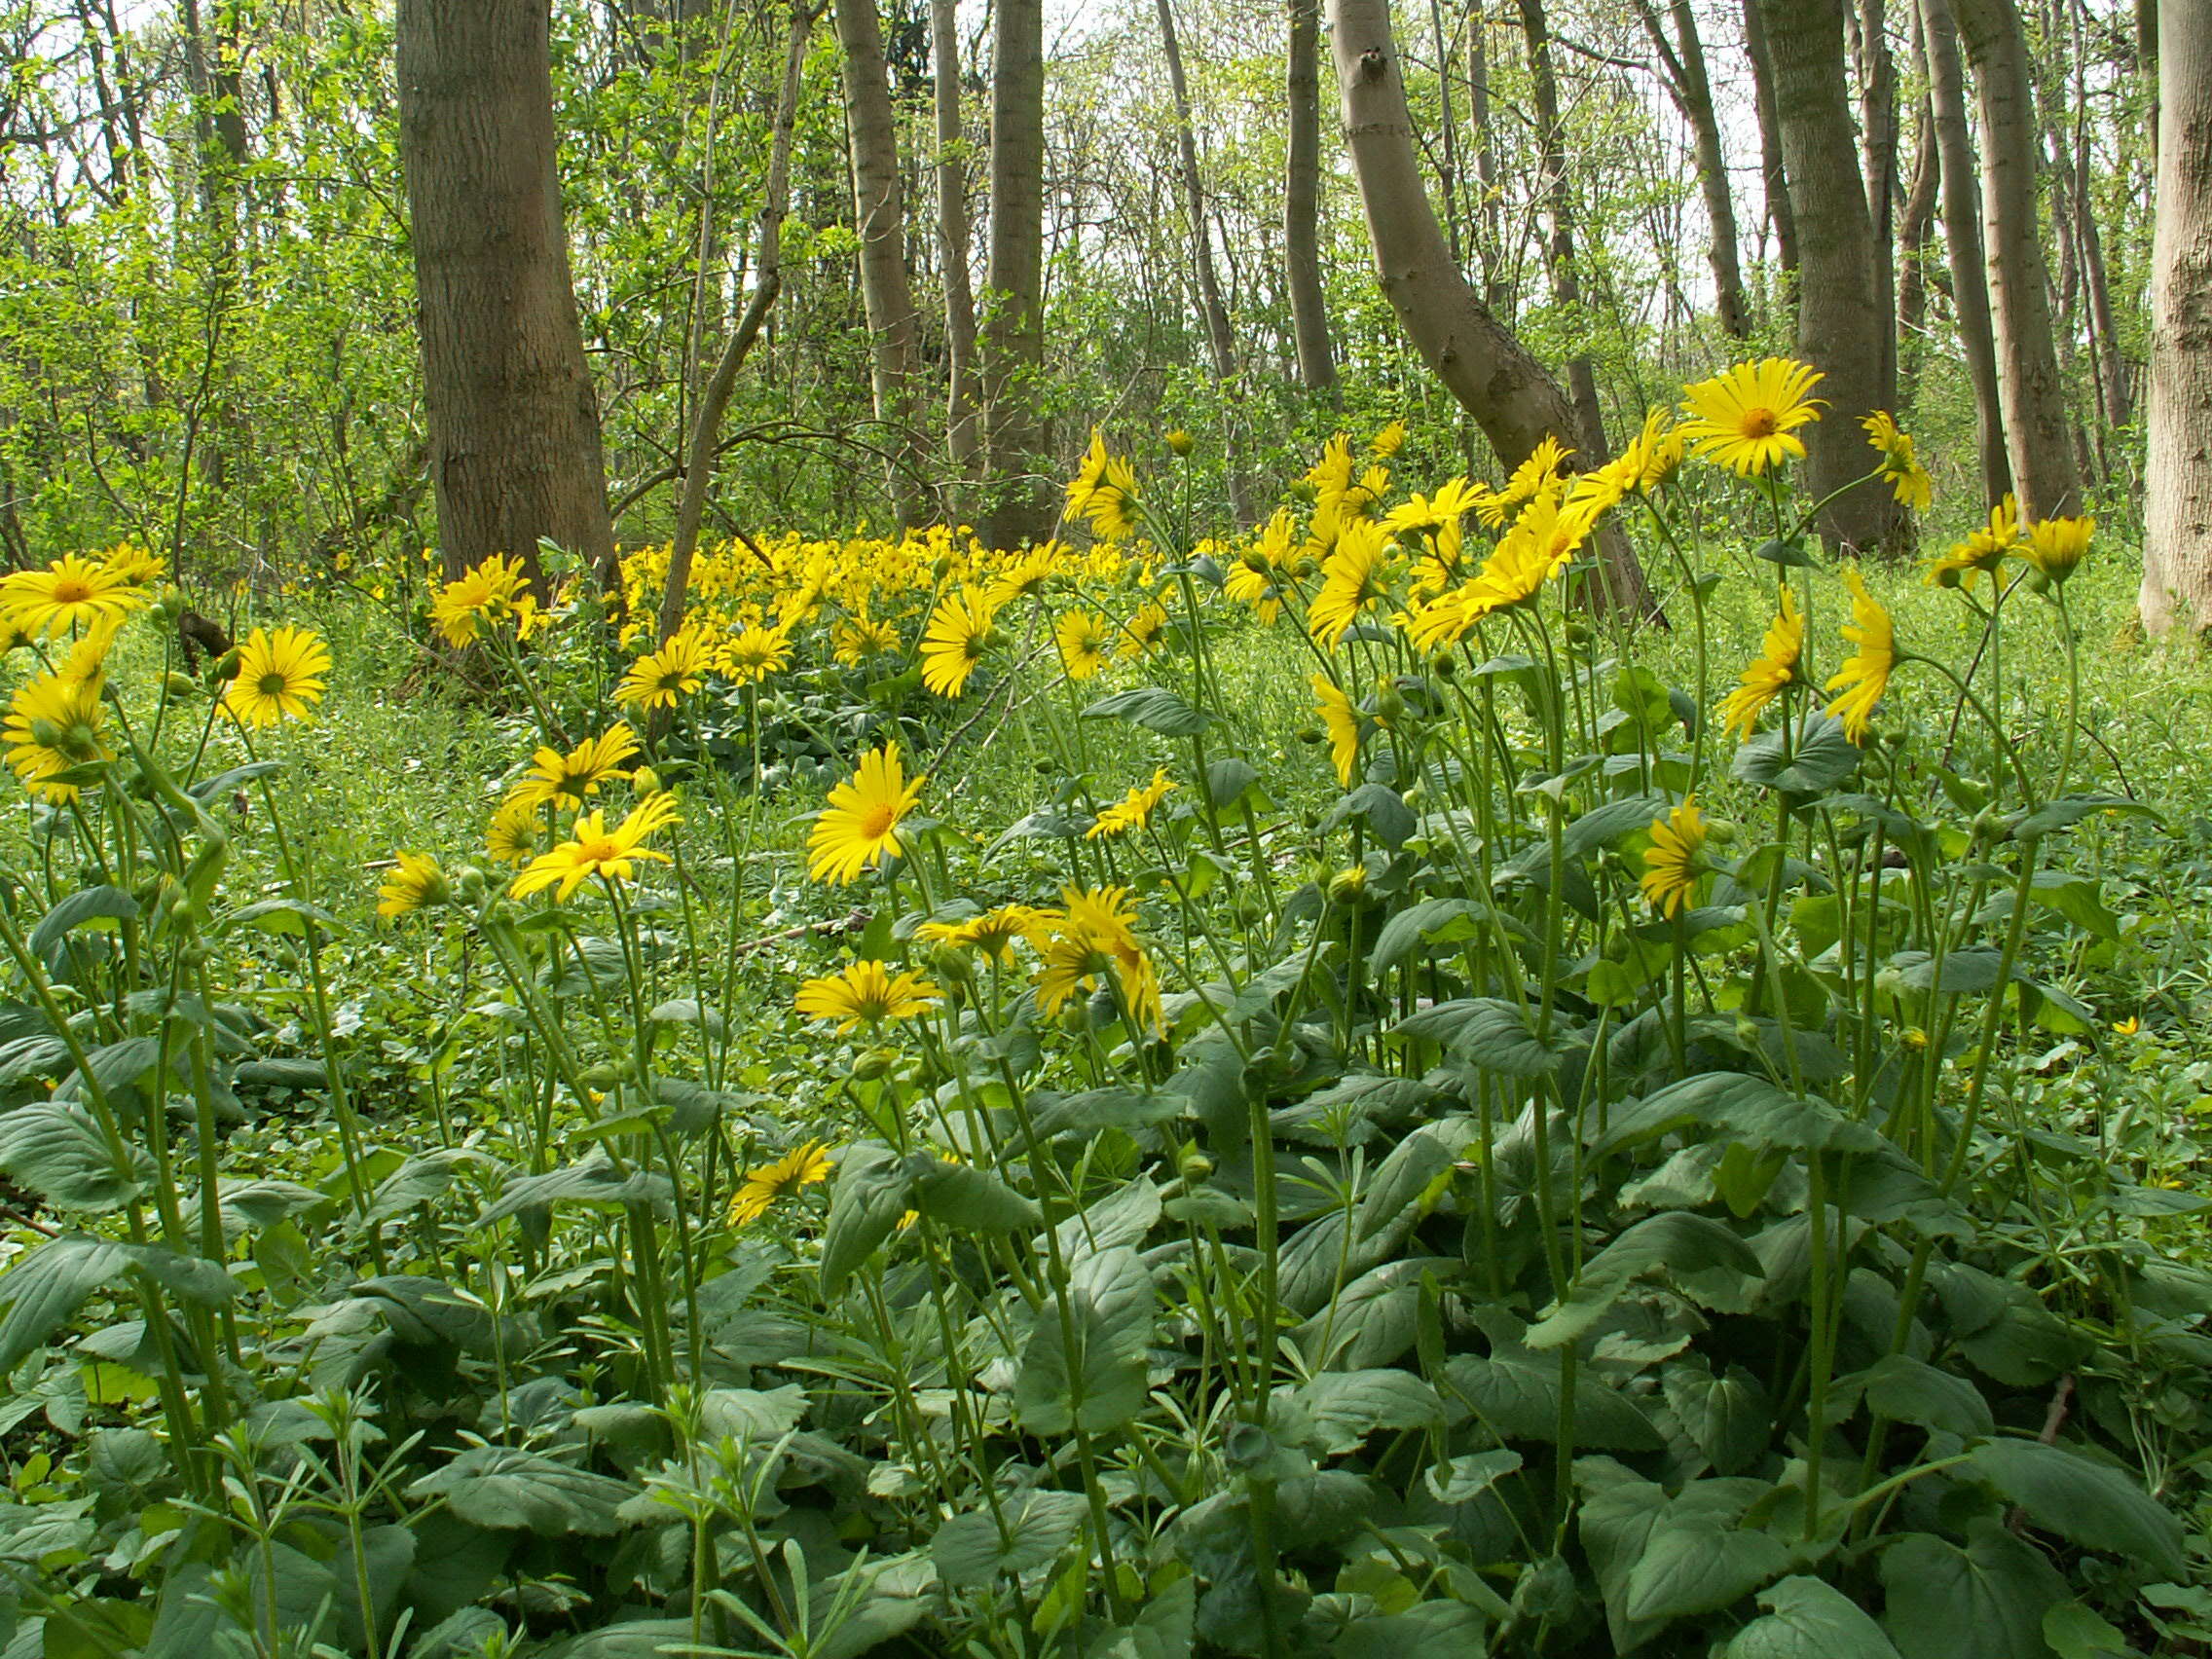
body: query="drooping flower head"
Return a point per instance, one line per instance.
(1104, 492)
(1352, 580)
(1134, 810)
(1865, 673)
(1093, 940)
(281, 677)
(865, 993)
(659, 679)
(518, 832)
(857, 639)
(1536, 474)
(415, 883)
(1084, 642)
(1389, 440)
(1773, 669)
(592, 849)
(566, 779)
(994, 933)
(1904, 474)
(1986, 549)
(1143, 632)
(1340, 720)
(860, 826)
(1674, 861)
(54, 724)
(1655, 454)
(1747, 418)
(2056, 547)
(493, 592)
(953, 644)
(804, 1165)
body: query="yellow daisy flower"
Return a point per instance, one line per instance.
(993, 932)
(417, 883)
(1905, 476)
(566, 779)
(803, 1166)
(1341, 722)
(1082, 639)
(1673, 862)
(1865, 673)
(755, 653)
(1134, 810)
(2056, 547)
(1747, 419)
(1104, 492)
(953, 644)
(658, 679)
(518, 832)
(280, 676)
(1143, 632)
(1775, 668)
(860, 826)
(865, 993)
(73, 592)
(490, 592)
(55, 723)
(593, 848)
(1986, 549)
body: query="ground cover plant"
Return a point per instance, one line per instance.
(1173, 1092)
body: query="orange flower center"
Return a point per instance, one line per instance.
(69, 590)
(1761, 423)
(877, 820)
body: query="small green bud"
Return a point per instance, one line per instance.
(1194, 1166)
(179, 687)
(873, 1063)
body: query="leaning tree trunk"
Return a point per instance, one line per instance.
(1507, 390)
(1682, 62)
(2177, 515)
(767, 285)
(1772, 172)
(1302, 202)
(514, 424)
(1220, 346)
(879, 214)
(1559, 245)
(1962, 236)
(2043, 472)
(1839, 325)
(1014, 353)
(961, 435)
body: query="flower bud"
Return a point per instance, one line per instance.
(871, 1065)
(951, 964)
(1181, 442)
(226, 667)
(1194, 1166)
(1347, 888)
(469, 884)
(602, 1077)
(1389, 703)
(647, 781)
(179, 687)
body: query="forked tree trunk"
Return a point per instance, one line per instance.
(1771, 172)
(767, 284)
(962, 436)
(2177, 528)
(1559, 245)
(879, 214)
(1302, 202)
(514, 424)
(2044, 473)
(1961, 237)
(1682, 60)
(1839, 325)
(1014, 340)
(1507, 390)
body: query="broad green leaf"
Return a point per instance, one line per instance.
(1517, 1392)
(1152, 707)
(968, 1199)
(47, 1284)
(1814, 758)
(1348, 1406)
(874, 1190)
(2070, 810)
(505, 1487)
(968, 1551)
(1084, 1367)
(595, 1181)
(1984, 1602)
(2089, 1503)
(1413, 1167)
(86, 905)
(1468, 1477)
(1757, 1111)
(1486, 1033)
(1671, 1241)
(56, 1149)
(2077, 1631)
(1729, 1419)
(1911, 1390)
(1699, 1568)
(1807, 1619)
(1431, 921)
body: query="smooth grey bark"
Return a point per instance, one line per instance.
(963, 438)
(1879, 159)
(2044, 476)
(879, 216)
(1302, 202)
(1962, 236)
(1839, 324)
(2177, 526)
(1014, 334)
(1771, 172)
(1490, 373)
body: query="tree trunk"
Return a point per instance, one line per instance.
(879, 215)
(1559, 245)
(767, 284)
(2177, 526)
(1220, 345)
(1878, 161)
(514, 424)
(2044, 473)
(1489, 217)
(1507, 390)
(1839, 324)
(1914, 247)
(961, 435)
(1302, 200)
(1020, 510)
(1682, 64)
(1779, 207)
(1962, 236)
